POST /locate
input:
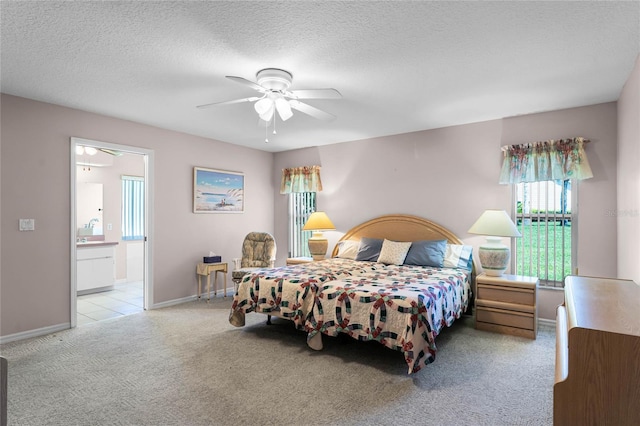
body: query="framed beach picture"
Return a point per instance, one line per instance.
(217, 191)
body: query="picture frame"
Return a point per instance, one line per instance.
(217, 191)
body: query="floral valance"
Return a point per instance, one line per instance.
(549, 160)
(301, 179)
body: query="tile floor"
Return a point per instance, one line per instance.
(124, 299)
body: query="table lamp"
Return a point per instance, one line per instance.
(318, 222)
(494, 256)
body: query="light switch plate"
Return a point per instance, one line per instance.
(27, 224)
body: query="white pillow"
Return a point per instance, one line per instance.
(348, 249)
(393, 252)
(458, 256)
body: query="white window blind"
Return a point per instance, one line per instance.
(545, 213)
(301, 205)
(132, 208)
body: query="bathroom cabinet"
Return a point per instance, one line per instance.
(95, 267)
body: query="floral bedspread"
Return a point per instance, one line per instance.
(402, 307)
(290, 290)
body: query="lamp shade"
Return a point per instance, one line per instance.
(319, 221)
(495, 223)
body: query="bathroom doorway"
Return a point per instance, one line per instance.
(111, 195)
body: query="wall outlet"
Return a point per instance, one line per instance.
(109, 227)
(27, 224)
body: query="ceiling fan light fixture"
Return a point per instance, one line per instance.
(263, 105)
(89, 150)
(268, 114)
(284, 109)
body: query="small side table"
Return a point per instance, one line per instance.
(298, 260)
(507, 304)
(205, 269)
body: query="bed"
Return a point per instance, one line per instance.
(370, 295)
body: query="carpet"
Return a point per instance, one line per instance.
(186, 365)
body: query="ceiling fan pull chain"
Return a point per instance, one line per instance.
(274, 123)
(266, 136)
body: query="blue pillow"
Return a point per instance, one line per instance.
(427, 253)
(369, 249)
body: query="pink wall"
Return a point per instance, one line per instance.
(422, 173)
(628, 208)
(450, 175)
(35, 174)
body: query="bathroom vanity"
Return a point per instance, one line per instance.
(96, 266)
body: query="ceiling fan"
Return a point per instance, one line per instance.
(273, 84)
(89, 150)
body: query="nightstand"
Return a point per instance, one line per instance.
(507, 304)
(298, 260)
(205, 270)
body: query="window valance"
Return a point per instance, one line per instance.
(301, 179)
(549, 160)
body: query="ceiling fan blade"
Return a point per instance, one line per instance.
(111, 151)
(316, 94)
(283, 108)
(312, 111)
(254, 86)
(235, 101)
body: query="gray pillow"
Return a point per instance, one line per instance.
(369, 249)
(427, 253)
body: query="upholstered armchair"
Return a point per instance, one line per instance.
(258, 251)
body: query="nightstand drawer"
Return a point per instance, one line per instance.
(507, 318)
(507, 294)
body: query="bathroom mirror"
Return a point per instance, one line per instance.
(89, 204)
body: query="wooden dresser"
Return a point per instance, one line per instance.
(597, 379)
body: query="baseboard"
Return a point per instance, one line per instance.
(94, 290)
(547, 322)
(172, 302)
(34, 333)
(187, 299)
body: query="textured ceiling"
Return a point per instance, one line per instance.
(400, 66)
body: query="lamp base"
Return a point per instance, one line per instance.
(494, 257)
(318, 246)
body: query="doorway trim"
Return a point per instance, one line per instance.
(148, 217)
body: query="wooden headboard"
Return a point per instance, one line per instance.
(400, 227)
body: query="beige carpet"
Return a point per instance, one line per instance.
(186, 365)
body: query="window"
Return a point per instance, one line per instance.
(301, 205)
(544, 218)
(132, 208)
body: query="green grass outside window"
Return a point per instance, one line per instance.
(532, 253)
